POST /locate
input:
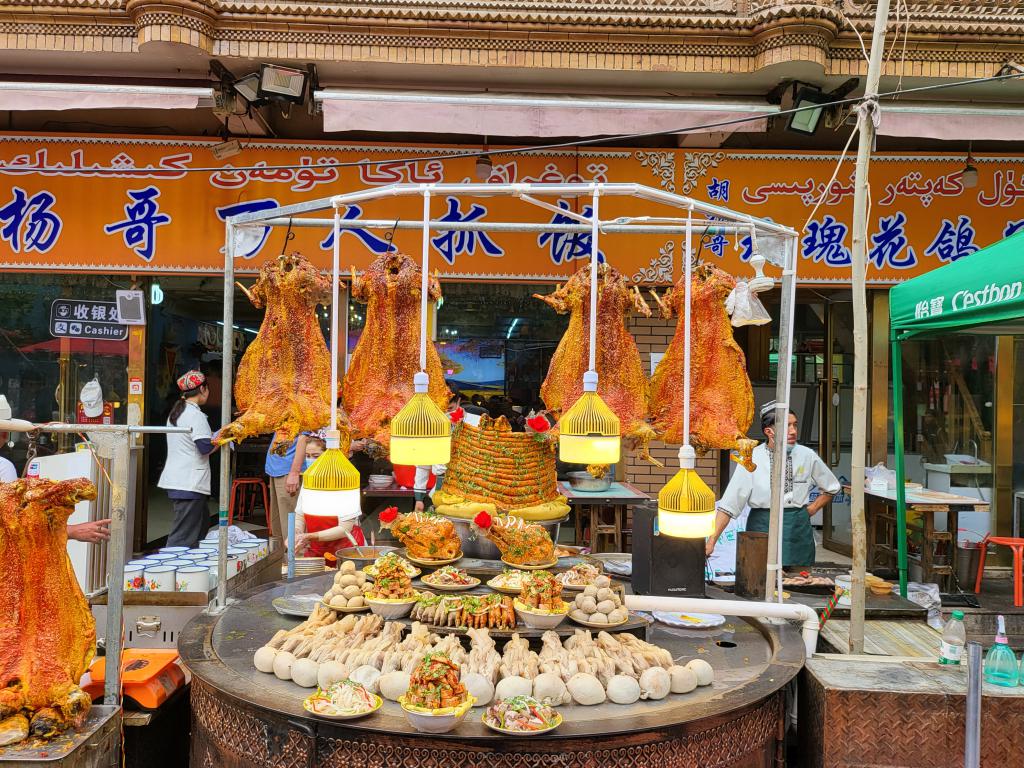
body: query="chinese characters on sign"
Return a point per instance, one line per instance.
(80, 319)
(142, 217)
(28, 222)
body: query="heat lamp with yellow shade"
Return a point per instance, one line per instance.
(330, 487)
(686, 506)
(421, 433)
(589, 432)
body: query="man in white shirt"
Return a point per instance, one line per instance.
(92, 532)
(8, 474)
(804, 471)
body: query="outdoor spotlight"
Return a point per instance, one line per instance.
(282, 83)
(248, 88)
(969, 175)
(807, 119)
(484, 166)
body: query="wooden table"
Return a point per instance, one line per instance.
(926, 503)
(606, 513)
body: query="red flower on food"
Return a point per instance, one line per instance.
(482, 520)
(538, 424)
(457, 415)
(389, 515)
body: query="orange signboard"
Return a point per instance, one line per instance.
(162, 207)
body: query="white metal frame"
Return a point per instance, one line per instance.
(713, 217)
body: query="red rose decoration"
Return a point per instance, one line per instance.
(482, 520)
(389, 515)
(538, 424)
(457, 415)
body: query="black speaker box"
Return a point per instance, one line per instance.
(664, 565)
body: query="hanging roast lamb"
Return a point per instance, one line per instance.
(621, 380)
(379, 379)
(722, 400)
(47, 632)
(284, 375)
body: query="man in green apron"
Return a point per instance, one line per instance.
(805, 472)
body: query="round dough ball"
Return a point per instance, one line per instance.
(347, 580)
(360, 579)
(605, 594)
(479, 687)
(683, 679)
(356, 602)
(602, 581)
(590, 591)
(548, 688)
(588, 605)
(264, 659)
(283, 665)
(330, 672)
(339, 601)
(705, 672)
(623, 689)
(348, 567)
(329, 594)
(585, 689)
(599, 618)
(579, 615)
(367, 676)
(513, 686)
(304, 672)
(606, 606)
(351, 591)
(618, 616)
(394, 684)
(655, 683)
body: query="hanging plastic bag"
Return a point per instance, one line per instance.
(744, 307)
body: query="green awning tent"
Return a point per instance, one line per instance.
(979, 293)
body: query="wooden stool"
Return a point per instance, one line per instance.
(598, 527)
(1017, 545)
(240, 491)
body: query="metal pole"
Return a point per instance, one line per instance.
(595, 226)
(424, 280)
(115, 571)
(773, 577)
(608, 227)
(901, 461)
(687, 296)
(972, 736)
(227, 371)
(866, 141)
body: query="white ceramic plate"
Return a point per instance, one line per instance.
(474, 582)
(506, 732)
(296, 605)
(377, 705)
(690, 620)
(595, 625)
(522, 567)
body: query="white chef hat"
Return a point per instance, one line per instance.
(92, 398)
(769, 406)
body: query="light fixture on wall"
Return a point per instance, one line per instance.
(969, 175)
(421, 433)
(484, 165)
(811, 101)
(589, 432)
(282, 83)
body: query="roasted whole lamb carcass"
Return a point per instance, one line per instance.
(379, 379)
(621, 380)
(47, 632)
(426, 536)
(494, 469)
(520, 542)
(721, 398)
(284, 375)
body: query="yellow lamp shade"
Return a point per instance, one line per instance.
(332, 471)
(421, 433)
(343, 505)
(421, 451)
(686, 506)
(588, 433)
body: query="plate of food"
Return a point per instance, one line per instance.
(392, 595)
(372, 569)
(520, 716)
(491, 611)
(347, 608)
(450, 579)
(433, 563)
(509, 581)
(436, 700)
(599, 606)
(565, 551)
(579, 576)
(531, 566)
(345, 700)
(808, 583)
(540, 603)
(690, 620)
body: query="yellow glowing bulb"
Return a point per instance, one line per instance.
(686, 506)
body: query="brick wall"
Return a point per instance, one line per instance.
(652, 335)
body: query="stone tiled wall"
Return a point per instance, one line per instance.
(653, 334)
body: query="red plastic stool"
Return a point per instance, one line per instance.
(240, 487)
(1017, 545)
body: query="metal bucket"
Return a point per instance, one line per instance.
(476, 545)
(587, 483)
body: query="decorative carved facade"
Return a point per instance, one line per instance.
(942, 39)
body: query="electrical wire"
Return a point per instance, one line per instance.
(573, 143)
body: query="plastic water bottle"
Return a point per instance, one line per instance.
(954, 638)
(1000, 661)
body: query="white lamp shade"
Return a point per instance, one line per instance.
(686, 525)
(341, 504)
(589, 449)
(421, 451)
